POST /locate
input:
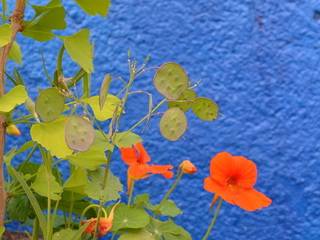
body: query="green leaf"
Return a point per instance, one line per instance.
(143, 201)
(94, 7)
(77, 181)
(126, 139)
(168, 230)
(49, 104)
(33, 201)
(5, 34)
(47, 18)
(94, 156)
(46, 184)
(51, 136)
(129, 217)
(69, 234)
(15, 53)
(2, 230)
(109, 108)
(13, 152)
(137, 235)
(205, 109)
(95, 184)
(16, 96)
(80, 49)
(19, 208)
(168, 208)
(104, 89)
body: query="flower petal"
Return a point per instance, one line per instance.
(164, 170)
(251, 200)
(129, 155)
(246, 172)
(143, 154)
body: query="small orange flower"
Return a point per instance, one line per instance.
(13, 130)
(105, 224)
(137, 158)
(188, 167)
(233, 178)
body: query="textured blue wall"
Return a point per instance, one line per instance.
(260, 61)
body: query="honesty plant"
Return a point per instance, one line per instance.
(69, 126)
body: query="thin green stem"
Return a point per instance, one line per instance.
(173, 187)
(35, 229)
(86, 86)
(70, 210)
(131, 193)
(4, 10)
(146, 117)
(214, 220)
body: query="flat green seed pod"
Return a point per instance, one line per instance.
(173, 124)
(205, 109)
(171, 80)
(79, 133)
(185, 100)
(49, 104)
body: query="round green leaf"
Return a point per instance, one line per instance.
(50, 104)
(171, 80)
(129, 217)
(173, 124)
(185, 100)
(137, 235)
(79, 133)
(205, 109)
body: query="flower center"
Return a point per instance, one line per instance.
(232, 181)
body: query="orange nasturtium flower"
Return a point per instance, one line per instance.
(188, 167)
(233, 178)
(137, 158)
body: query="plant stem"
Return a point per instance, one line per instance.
(35, 230)
(173, 186)
(16, 25)
(148, 115)
(131, 193)
(214, 220)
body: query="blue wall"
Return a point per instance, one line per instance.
(260, 61)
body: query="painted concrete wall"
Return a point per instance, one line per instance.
(260, 60)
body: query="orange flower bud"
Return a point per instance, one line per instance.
(13, 130)
(188, 167)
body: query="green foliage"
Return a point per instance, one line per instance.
(137, 235)
(5, 34)
(95, 7)
(168, 208)
(127, 217)
(77, 181)
(49, 104)
(80, 49)
(46, 184)
(112, 106)
(46, 19)
(205, 109)
(94, 188)
(104, 89)
(173, 124)
(171, 80)
(168, 230)
(79, 133)
(50, 135)
(126, 139)
(15, 53)
(16, 96)
(94, 156)
(19, 208)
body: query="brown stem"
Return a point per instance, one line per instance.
(17, 26)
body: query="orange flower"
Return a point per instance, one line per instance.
(13, 130)
(233, 178)
(105, 224)
(188, 167)
(137, 158)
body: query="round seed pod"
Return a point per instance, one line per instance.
(79, 133)
(185, 100)
(205, 109)
(49, 104)
(173, 124)
(171, 80)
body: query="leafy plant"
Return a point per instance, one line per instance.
(69, 127)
